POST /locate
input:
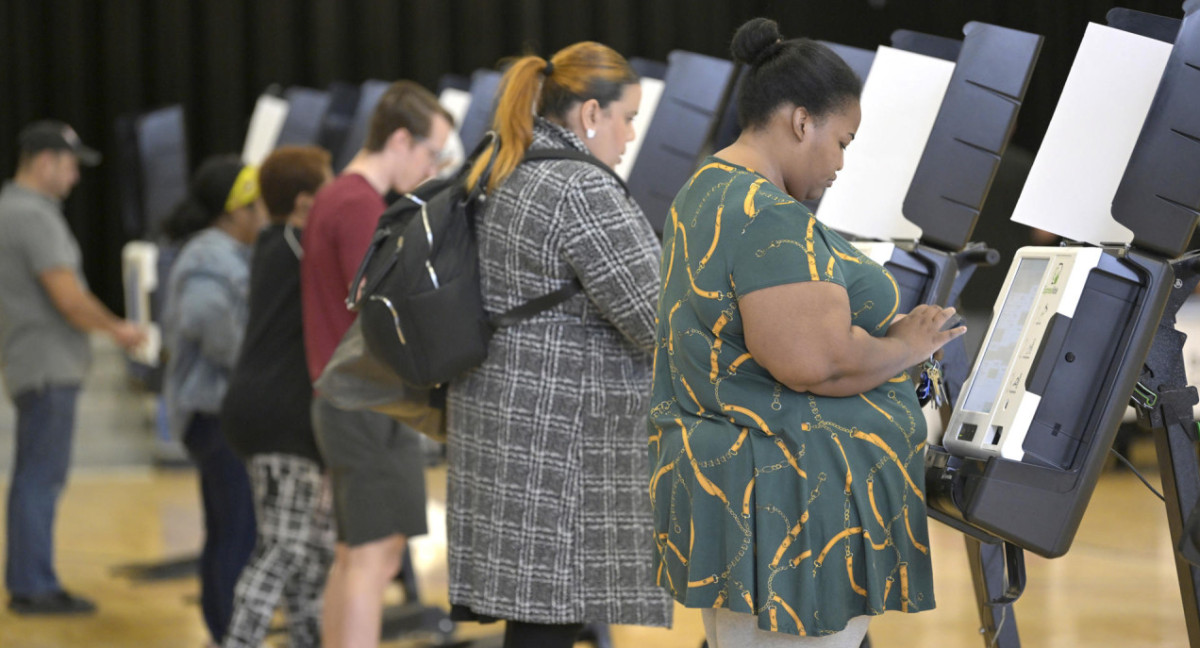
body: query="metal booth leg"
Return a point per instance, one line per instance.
(994, 591)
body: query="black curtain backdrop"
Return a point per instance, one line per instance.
(88, 61)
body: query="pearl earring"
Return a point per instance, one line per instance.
(591, 132)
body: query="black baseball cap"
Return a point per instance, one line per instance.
(55, 136)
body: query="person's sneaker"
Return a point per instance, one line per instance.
(60, 602)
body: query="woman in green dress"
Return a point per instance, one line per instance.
(786, 441)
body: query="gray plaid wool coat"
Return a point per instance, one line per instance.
(548, 507)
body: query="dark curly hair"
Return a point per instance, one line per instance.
(205, 200)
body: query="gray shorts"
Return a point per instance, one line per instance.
(377, 473)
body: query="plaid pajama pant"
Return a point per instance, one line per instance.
(292, 558)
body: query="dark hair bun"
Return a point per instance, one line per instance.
(188, 217)
(756, 40)
(206, 197)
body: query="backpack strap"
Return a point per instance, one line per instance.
(536, 305)
(573, 154)
(491, 139)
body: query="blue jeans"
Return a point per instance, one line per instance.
(45, 426)
(229, 527)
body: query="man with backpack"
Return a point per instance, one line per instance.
(375, 464)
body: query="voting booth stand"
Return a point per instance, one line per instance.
(937, 116)
(947, 193)
(1079, 330)
(1164, 402)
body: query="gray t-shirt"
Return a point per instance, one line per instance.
(38, 347)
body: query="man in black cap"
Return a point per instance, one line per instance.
(46, 311)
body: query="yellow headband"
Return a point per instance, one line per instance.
(244, 190)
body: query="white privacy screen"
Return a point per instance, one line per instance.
(265, 123)
(652, 90)
(456, 102)
(900, 102)
(1104, 102)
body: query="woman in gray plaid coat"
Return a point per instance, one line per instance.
(549, 512)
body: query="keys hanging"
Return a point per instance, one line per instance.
(932, 386)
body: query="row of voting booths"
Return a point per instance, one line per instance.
(1079, 332)
(1082, 330)
(1013, 457)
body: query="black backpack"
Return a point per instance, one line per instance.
(421, 309)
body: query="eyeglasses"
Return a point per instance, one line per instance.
(423, 142)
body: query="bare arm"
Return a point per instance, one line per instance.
(83, 311)
(802, 334)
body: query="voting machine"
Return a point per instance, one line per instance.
(1078, 331)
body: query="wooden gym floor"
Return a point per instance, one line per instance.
(1116, 587)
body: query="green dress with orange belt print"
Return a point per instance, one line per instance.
(804, 510)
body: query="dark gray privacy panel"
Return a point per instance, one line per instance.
(306, 111)
(947, 49)
(1144, 24)
(456, 81)
(728, 129)
(858, 59)
(1159, 195)
(693, 91)
(368, 96)
(648, 68)
(343, 100)
(162, 148)
(970, 133)
(485, 85)
(153, 158)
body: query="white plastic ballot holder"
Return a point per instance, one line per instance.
(900, 101)
(139, 271)
(996, 410)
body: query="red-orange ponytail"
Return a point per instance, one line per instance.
(579, 72)
(513, 122)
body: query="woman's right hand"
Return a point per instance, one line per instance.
(921, 330)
